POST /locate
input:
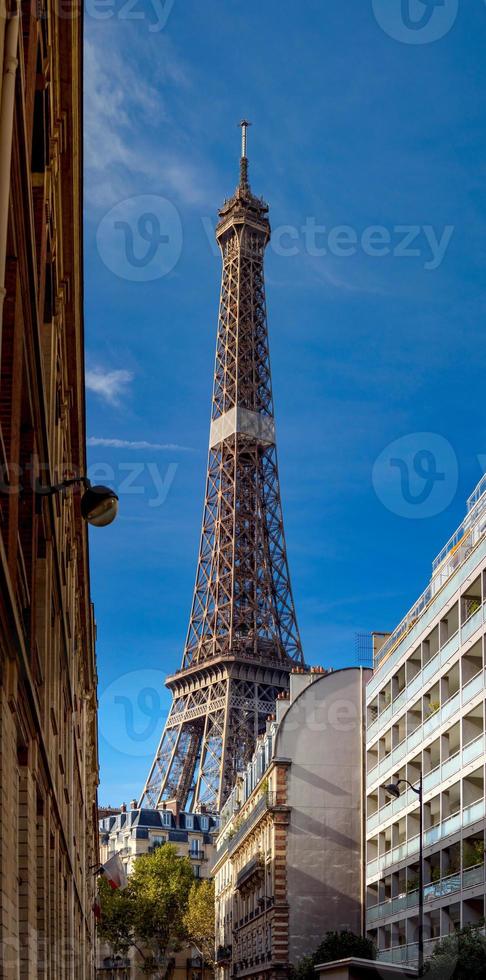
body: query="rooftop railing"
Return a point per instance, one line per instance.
(444, 565)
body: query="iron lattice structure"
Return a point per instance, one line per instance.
(243, 638)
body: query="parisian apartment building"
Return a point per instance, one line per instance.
(425, 719)
(289, 854)
(48, 752)
(132, 831)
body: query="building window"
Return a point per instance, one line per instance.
(166, 818)
(204, 822)
(189, 821)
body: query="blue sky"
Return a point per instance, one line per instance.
(359, 120)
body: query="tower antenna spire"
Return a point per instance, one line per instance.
(244, 159)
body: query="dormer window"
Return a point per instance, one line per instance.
(189, 821)
(166, 818)
(204, 823)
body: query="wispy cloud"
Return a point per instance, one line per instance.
(124, 114)
(136, 444)
(109, 385)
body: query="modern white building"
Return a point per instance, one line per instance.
(425, 715)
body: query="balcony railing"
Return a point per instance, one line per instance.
(408, 953)
(424, 730)
(463, 818)
(427, 606)
(447, 650)
(254, 868)
(246, 821)
(473, 750)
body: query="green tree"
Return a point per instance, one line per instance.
(460, 956)
(199, 919)
(115, 926)
(149, 913)
(334, 946)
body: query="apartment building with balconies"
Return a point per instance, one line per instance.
(289, 855)
(425, 717)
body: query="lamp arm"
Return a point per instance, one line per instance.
(59, 487)
(411, 786)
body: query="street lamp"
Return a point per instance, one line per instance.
(99, 504)
(393, 789)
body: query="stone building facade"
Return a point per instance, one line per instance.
(289, 855)
(135, 831)
(48, 751)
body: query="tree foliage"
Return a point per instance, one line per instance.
(199, 919)
(460, 956)
(334, 946)
(149, 913)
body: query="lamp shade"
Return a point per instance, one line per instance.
(99, 505)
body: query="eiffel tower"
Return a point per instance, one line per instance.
(243, 639)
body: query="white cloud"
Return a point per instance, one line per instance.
(135, 444)
(123, 115)
(109, 385)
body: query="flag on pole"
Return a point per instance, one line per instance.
(114, 872)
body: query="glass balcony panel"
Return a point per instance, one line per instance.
(415, 738)
(450, 707)
(446, 886)
(431, 724)
(473, 687)
(399, 903)
(373, 913)
(400, 701)
(451, 825)
(473, 876)
(385, 716)
(399, 752)
(473, 812)
(372, 867)
(432, 779)
(431, 668)
(372, 775)
(373, 821)
(449, 649)
(471, 624)
(412, 845)
(450, 766)
(414, 686)
(473, 750)
(432, 835)
(412, 899)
